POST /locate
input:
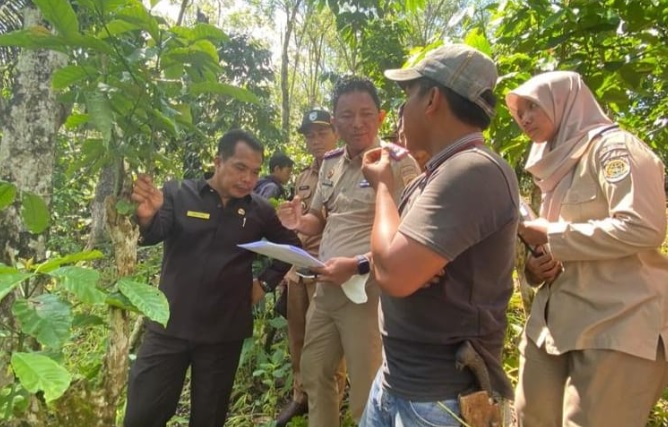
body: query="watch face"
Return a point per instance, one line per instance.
(363, 266)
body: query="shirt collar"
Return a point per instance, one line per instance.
(202, 185)
(451, 149)
(376, 144)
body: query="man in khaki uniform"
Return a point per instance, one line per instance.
(320, 138)
(336, 327)
(594, 350)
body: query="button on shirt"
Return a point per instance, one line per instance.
(205, 276)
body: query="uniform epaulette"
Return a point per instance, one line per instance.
(397, 152)
(334, 153)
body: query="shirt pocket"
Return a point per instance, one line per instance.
(361, 198)
(580, 202)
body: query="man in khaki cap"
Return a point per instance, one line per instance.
(342, 209)
(320, 138)
(460, 216)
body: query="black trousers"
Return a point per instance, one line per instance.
(156, 381)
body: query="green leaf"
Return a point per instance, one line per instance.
(60, 14)
(37, 372)
(136, 13)
(101, 115)
(476, 39)
(35, 212)
(8, 281)
(224, 89)
(46, 317)
(6, 269)
(75, 120)
(118, 300)
(14, 400)
(7, 194)
(278, 322)
(83, 320)
(54, 263)
(90, 42)
(70, 74)
(148, 299)
(116, 27)
(36, 37)
(82, 282)
(199, 32)
(125, 207)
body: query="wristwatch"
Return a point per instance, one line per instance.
(363, 264)
(265, 286)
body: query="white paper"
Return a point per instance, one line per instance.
(286, 253)
(355, 288)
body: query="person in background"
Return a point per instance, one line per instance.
(320, 138)
(208, 282)
(342, 209)
(593, 352)
(441, 224)
(272, 186)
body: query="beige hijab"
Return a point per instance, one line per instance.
(578, 118)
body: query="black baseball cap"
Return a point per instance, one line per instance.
(316, 116)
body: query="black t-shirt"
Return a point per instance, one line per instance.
(205, 276)
(465, 208)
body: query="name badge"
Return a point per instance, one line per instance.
(200, 215)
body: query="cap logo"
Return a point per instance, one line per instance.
(313, 116)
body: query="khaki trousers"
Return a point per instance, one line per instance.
(587, 388)
(347, 331)
(300, 295)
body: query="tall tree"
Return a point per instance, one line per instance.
(29, 126)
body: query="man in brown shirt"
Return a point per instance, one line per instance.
(320, 138)
(343, 210)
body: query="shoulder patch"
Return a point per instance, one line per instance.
(616, 168)
(397, 152)
(334, 153)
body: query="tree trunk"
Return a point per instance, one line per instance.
(27, 158)
(104, 189)
(84, 403)
(285, 86)
(124, 236)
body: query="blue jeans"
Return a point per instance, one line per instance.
(386, 410)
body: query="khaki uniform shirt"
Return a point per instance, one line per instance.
(349, 203)
(613, 292)
(305, 186)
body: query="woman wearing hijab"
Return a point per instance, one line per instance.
(593, 351)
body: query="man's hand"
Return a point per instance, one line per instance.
(337, 270)
(290, 213)
(376, 168)
(542, 268)
(534, 232)
(257, 293)
(149, 199)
